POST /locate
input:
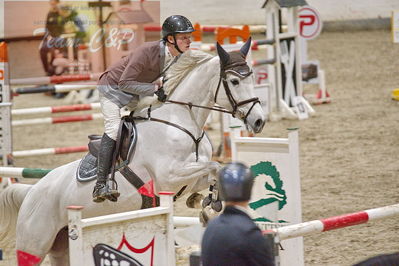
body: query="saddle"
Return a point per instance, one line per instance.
(125, 149)
(123, 154)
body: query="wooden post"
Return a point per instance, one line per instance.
(166, 200)
(75, 235)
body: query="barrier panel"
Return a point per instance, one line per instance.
(144, 236)
(276, 194)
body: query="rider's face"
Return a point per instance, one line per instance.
(183, 41)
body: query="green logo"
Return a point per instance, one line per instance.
(268, 193)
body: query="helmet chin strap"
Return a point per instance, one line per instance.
(175, 44)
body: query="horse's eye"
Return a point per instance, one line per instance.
(235, 82)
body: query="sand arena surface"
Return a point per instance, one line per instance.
(349, 151)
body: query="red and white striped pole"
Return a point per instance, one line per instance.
(212, 28)
(46, 151)
(56, 120)
(56, 109)
(336, 222)
(256, 45)
(55, 79)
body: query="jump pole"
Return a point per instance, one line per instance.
(23, 172)
(55, 79)
(47, 151)
(213, 28)
(56, 120)
(256, 45)
(336, 222)
(54, 88)
(56, 109)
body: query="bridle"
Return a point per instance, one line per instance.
(234, 68)
(224, 70)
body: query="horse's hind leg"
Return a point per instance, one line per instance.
(59, 254)
(36, 233)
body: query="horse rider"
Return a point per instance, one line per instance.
(233, 238)
(135, 76)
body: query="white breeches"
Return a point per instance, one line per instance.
(112, 117)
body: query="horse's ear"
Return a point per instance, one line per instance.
(245, 49)
(223, 55)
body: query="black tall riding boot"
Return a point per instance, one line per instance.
(102, 190)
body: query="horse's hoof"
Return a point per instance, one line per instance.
(112, 198)
(113, 195)
(98, 199)
(206, 202)
(194, 200)
(217, 206)
(203, 217)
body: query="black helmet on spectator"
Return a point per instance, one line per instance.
(235, 180)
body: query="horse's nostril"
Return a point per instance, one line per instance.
(258, 123)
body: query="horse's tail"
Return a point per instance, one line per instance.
(10, 202)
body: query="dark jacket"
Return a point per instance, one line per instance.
(233, 239)
(133, 74)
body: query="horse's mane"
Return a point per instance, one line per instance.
(184, 65)
(176, 73)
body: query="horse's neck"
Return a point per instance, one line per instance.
(198, 88)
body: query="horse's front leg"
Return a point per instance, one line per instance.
(204, 175)
(206, 182)
(196, 175)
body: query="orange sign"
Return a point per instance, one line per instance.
(3, 52)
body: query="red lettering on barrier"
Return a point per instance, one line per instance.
(151, 245)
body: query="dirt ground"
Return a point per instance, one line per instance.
(349, 151)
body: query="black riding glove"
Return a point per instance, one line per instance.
(161, 95)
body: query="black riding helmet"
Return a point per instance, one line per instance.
(235, 180)
(176, 24)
